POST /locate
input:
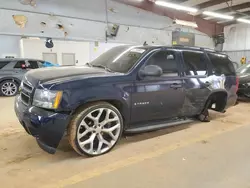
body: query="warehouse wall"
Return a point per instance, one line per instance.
(237, 37)
(237, 55)
(9, 46)
(36, 48)
(86, 20)
(237, 42)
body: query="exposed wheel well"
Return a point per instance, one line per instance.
(218, 101)
(116, 103)
(12, 79)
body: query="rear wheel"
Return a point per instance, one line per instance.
(8, 88)
(95, 129)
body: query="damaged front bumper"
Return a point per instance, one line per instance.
(46, 126)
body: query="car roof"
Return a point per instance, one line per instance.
(18, 59)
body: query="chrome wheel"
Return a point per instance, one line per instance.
(99, 131)
(9, 88)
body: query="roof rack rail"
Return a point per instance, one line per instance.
(193, 47)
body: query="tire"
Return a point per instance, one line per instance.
(95, 129)
(204, 115)
(8, 88)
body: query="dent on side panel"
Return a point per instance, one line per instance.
(198, 90)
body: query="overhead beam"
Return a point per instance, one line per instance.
(204, 26)
(238, 15)
(210, 3)
(234, 8)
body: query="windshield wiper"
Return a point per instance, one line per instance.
(103, 67)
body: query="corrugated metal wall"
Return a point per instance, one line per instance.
(237, 55)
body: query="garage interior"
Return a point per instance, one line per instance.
(213, 154)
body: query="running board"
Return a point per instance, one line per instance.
(153, 127)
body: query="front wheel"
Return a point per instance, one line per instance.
(95, 129)
(8, 88)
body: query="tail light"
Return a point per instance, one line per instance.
(237, 84)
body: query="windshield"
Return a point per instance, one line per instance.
(244, 69)
(119, 59)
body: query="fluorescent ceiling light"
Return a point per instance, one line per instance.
(186, 23)
(218, 15)
(175, 6)
(243, 20)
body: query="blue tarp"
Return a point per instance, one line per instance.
(48, 64)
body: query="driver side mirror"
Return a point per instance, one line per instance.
(151, 70)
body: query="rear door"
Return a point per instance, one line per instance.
(196, 71)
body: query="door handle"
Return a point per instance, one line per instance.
(176, 85)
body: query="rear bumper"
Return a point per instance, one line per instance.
(47, 127)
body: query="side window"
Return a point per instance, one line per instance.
(20, 65)
(195, 63)
(40, 64)
(167, 61)
(3, 64)
(221, 64)
(33, 65)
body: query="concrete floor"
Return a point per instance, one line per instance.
(214, 154)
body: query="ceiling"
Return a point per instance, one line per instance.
(236, 8)
(206, 24)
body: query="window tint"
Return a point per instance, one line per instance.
(167, 61)
(26, 64)
(120, 58)
(20, 64)
(33, 65)
(3, 63)
(222, 64)
(195, 63)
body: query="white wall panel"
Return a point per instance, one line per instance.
(9, 46)
(35, 49)
(237, 37)
(137, 25)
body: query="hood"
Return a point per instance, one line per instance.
(243, 78)
(55, 73)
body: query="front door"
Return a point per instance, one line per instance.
(156, 98)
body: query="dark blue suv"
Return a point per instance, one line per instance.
(127, 89)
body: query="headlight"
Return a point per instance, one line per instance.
(47, 98)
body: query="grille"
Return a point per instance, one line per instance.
(26, 92)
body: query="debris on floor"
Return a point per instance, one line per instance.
(204, 141)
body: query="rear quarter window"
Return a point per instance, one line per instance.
(222, 64)
(3, 64)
